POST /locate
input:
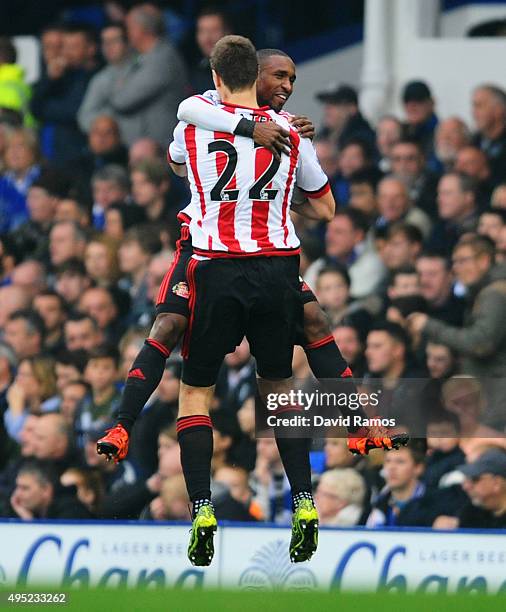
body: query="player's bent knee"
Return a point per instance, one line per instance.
(316, 322)
(168, 329)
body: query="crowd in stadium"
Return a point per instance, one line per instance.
(411, 272)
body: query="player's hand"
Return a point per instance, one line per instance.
(273, 137)
(19, 509)
(303, 125)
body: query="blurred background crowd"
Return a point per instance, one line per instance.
(410, 271)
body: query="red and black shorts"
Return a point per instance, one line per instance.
(256, 297)
(174, 292)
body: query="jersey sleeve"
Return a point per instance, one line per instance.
(203, 112)
(176, 151)
(310, 177)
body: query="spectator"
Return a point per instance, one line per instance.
(342, 117)
(29, 276)
(81, 331)
(349, 342)
(445, 454)
(394, 205)
(51, 42)
(212, 24)
(402, 469)
(144, 149)
(9, 257)
(69, 367)
(155, 86)
(388, 132)
(356, 155)
(421, 120)
(44, 194)
(119, 63)
(408, 164)
(436, 286)
(89, 485)
(388, 360)
(473, 162)
(235, 503)
(99, 303)
(491, 223)
(104, 149)
(109, 185)
(24, 332)
(32, 392)
(402, 246)
(66, 241)
(174, 498)
(22, 165)
(138, 246)
(71, 280)
(465, 397)
(489, 114)
(346, 243)
(440, 361)
(363, 184)
(37, 496)
(451, 136)
(340, 497)
(72, 394)
(58, 94)
(485, 483)
(12, 299)
(14, 91)
(52, 310)
(101, 261)
(74, 210)
(499, 196)
(98, 410)
(481, 342)
(332, 290)
(121, 217)
(458, 211)
(269, 483)
(52, 442)
(150, 187)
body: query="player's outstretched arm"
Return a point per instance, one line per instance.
(203, 113)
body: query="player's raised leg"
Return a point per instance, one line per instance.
(147, 369)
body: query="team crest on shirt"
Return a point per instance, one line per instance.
(181, 289)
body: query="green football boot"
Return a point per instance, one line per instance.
(304, 540)
(201, 546)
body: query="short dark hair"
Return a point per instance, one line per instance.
(76, 359)
(263, 54)
(105, 351)
(234, 59)
(443, 416)
(395, 331)
(214, 11)
(481, 245)
(410, 232)
(55, 294)
(410, 140)
(357, 218)
(365, 176)
(467, 184)
(435, 254)
(85, 29)
(336, 269)
(73, 266)
(411, 270)
(146, 236)
(34, 322)
(364, 146)
(43, 471)
(77, 317)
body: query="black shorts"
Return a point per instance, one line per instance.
(256, 297)
(173, 295)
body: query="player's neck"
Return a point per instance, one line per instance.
(246, 97)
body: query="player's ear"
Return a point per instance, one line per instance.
(217, 80)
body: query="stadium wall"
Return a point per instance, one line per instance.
(83, 554)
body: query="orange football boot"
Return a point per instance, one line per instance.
(366, 439)
(114, 444)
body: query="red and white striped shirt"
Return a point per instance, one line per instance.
(241, 194)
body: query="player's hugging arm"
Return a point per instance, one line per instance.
(202, 112)
(176, 151)
(316, 209)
